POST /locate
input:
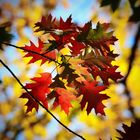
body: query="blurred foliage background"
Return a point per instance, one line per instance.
(18, 18)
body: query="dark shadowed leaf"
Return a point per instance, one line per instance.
(132, 132)
(5, 36)
(113, 3)
(93, 98)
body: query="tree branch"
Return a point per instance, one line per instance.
(38, 101)
(132, 56)
(131, 61)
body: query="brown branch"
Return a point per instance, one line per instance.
(38, 101)
(130, 65)
(132, 55)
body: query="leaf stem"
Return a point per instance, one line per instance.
(39, 102)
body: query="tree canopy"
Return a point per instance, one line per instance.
(83, 77)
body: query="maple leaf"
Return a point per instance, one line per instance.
(57, 82)
(84, 31)
(61, 41)
(103, 44)
(132, 132)
(66, 25)
(80, 70)
(63, 97)
(91, 95)
(68, 73)
(31, 103)
(99, 32)
(39, 50)
(101, 38)
(106, 73)
(46, 24)
(39, 90)
(100, 61)
(110, 73)
(76, 47)
(99, 65)
(50, 25)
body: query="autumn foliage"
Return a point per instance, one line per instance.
(82, 73)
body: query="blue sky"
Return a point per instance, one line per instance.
(80, 10)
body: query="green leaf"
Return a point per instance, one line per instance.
(100, 32)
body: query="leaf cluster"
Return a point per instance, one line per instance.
(84, 71)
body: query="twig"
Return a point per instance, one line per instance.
(38, 101)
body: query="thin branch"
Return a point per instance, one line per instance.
(132, 55)
(55, 68)
(21, 48)
(38, 101)
(131, 61)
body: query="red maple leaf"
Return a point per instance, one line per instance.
(91, 95)
(40, 51)
(91, 48)
(31, 103)
(63, 97)
(87, 27)
(46, 24)
(66, 25)
(84, 31)
(106, 74)
(76, 47)
(110, 73)
(61, 41)
(39, 90)
(103, 44)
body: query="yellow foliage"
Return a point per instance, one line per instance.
(5, 108)
(39, 130)
(29, 134)
(95, 126)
